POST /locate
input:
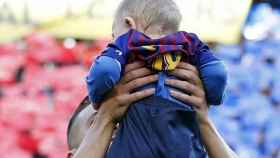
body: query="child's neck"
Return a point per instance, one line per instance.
(155, 36)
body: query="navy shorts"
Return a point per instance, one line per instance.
(157, 128)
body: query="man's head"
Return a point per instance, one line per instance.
(79, 124)
(153, 17)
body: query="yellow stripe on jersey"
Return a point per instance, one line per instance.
(165, 62)
(157, 63)
(150, 48)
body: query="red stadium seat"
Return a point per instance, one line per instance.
(9, 48)
(51, 87)
(42, 48)
(9, 65)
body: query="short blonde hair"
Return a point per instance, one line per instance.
(154, 14)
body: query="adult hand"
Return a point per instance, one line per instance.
(192, 89)
(193, 94)
(122, 95)
(98, 137)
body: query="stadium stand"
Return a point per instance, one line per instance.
(41, 83)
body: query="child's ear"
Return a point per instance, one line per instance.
(130, 23)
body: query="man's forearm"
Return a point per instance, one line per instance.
(97, 139)
(214, 143)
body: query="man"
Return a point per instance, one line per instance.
(90, 133)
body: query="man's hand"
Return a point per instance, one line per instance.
(122, 95)
(192, 89)
(98, 137)
(193, 94)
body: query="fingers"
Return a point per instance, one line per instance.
(189, 67)
(183, 97)
(197, 102)
(132, 85)
(114, 108)
(126, 99)
(184, 86)
(136, 73)
(186, 75)
(139, 95)
(133, 66)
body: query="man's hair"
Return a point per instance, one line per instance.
(153, 14)
(85, 103)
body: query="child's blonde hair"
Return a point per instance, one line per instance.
(154, 15)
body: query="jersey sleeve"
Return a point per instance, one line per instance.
(214, 78)
(213, 73)
(104, 73)
(115, 53)
(107, 69)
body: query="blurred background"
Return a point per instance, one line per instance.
(46, 48)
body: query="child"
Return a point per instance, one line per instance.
(158, 126)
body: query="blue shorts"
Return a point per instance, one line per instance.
(157, 128)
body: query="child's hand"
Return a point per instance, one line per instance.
(192, 89)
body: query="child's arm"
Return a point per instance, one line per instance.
(107, 69)
(214, 78)
(213, 74)
(103, 75)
